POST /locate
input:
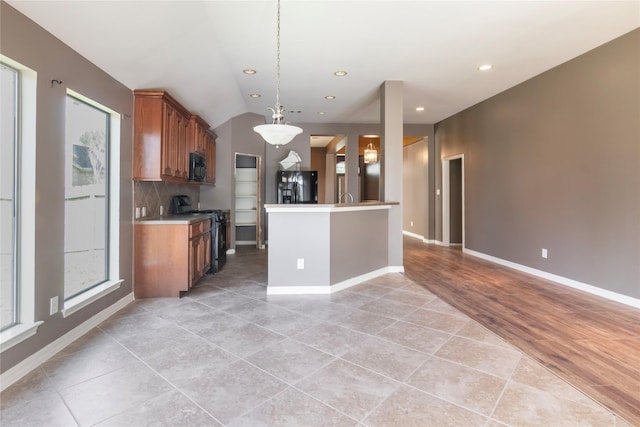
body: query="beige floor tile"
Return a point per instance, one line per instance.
(388, 308)
(225, 301)
(352, 299)
(410, 297)
(169, 409)
(330, 338)
(522, 405)
(82, 365)
(370, 289)
(272, 317)
(386, 358)
(467, 387)
(233, 391)
(441, 321)
(351, 389)
(293, 408)
(32, 386)
(101, 398)
(363, 321)
(408, 407)
(419, 338)
(290, 360)
(475, 331)
(487, 358)
(47, 410)
(438, 305)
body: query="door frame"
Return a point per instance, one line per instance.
(446, 196)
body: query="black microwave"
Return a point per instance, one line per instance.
(197, 167)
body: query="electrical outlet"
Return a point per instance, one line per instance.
(144, 211)
(161, 210)
(544, 253)
(198, 205)
(53, 305)
(411, 223)
(300, 263)
(137, 213)
(438, 192)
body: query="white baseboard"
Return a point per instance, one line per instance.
(36, 359)
(325, 290)
(429, 241)
(414, 235)
(613, 296)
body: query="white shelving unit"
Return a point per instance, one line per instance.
(246, 197)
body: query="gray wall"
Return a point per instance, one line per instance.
(455, 201)
(415, 188)
(555, 163)
(32, 46)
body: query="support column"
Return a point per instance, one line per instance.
(391, 124)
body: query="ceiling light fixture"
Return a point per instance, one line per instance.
(485, 67)
(370, 154)
(330, 97)
(255, 95)
(322, 113)
(419, 108)
(277, 133)
(340, 73)
(248, 71)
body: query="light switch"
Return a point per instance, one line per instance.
(300, 263)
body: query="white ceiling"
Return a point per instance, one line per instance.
(197, 49)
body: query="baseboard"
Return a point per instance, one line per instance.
(429, 241)
(594, 290)
(30, 363)
(325, 290)
(414, 235)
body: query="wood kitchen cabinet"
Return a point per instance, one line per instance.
(198, 131)
(170, 257)
(210, 155)
(160, 140)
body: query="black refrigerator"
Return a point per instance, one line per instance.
(297, 187)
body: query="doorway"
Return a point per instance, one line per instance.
(248, 200)
(453, 201)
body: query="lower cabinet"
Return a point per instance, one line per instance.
(170, 258)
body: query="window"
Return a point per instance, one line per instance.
(86, 204)
(8, 195)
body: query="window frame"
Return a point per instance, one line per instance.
(25, 187)
(112, 239)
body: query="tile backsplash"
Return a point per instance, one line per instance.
(154, 194)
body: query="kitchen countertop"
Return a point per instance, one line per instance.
(174, 219)
(335, 207)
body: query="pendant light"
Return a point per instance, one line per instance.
(278, 133)
(370, 154)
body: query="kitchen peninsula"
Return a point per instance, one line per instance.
(321, 249)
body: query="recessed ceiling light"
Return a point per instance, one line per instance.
(485, 67)
(330, 97)
(255, 95)
(340, 73)
(419, 108)
(322, 113)
(248, 71)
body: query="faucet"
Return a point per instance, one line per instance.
(345, 194)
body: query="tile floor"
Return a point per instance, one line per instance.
(384, 353)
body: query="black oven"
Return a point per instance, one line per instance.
(197, 167)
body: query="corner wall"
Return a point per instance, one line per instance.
(555, 163)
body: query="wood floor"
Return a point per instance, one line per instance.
(591, 342)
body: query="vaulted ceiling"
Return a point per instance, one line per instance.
(197, 50)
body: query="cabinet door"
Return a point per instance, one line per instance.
(182, 151)
(194, 261)
(211, 160)
(166, 158)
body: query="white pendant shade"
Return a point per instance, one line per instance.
(278, 134)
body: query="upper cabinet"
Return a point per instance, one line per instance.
(164, 133)
(198, 134)
(210, 155)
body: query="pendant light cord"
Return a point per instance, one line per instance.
(278, 106)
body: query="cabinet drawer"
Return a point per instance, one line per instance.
(199, 228)
(196, 229)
